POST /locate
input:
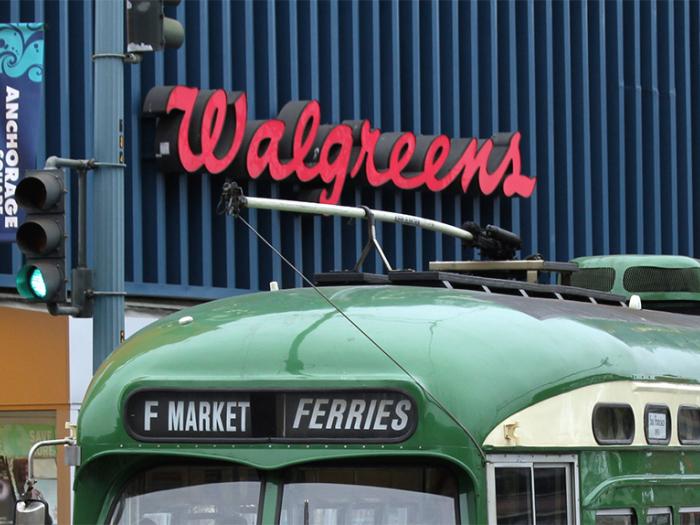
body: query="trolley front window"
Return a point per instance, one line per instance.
(373, 495)
(190, 495)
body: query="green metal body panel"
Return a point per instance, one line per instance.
(620, 263)
(639, 480)
(483, 356)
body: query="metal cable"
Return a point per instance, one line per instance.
(422, 388)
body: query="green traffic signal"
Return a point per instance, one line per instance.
(42, 281)
(37, 283)
(41, 236)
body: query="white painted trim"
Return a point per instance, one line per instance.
(510, 459)
(615, 512)
(566, 420)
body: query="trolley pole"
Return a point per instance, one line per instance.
(108, 322)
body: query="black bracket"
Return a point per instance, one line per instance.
(231, 200)
(127, 58)
(97, 293)
(372, 242)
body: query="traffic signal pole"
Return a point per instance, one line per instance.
(108, 320)
(41, 193)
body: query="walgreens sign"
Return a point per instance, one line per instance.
(208, 131)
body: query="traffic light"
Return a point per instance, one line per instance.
(148, 29)
(41, 236)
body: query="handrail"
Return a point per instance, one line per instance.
(36, 446)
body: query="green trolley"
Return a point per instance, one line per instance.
(397, 405)
(405, 398)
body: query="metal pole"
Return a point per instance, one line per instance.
(108, 322)
(82, 218)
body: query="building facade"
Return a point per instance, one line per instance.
(605, 96)
(46, 368)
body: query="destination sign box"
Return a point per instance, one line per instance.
(212, 416)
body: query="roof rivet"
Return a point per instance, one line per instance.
(184, 320)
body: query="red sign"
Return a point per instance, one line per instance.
(208, 130)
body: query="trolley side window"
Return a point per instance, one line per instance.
(660, 516)
(689, 425)
(613, 424)
(616, 517)
(532, 490)
(514, 495)
(689, 515)
(370, 495)
(190, 495)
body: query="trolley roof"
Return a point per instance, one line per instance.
(484, 356)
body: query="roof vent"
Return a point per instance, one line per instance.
(653, 279)
(663, 282)
(601, 279)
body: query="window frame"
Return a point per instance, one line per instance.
(604, 442)
(678, 426)
(658, 511)
(272, 482)
(533, 461)
(686, 510)
(624, 511)
(657, 408)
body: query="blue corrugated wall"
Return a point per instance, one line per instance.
(606, 95)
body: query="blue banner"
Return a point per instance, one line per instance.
(21, 75)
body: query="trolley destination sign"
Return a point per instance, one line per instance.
(208, 131)
(228, 416)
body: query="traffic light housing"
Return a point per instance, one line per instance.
(148, 29)
(41, 236)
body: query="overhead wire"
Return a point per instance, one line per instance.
(357, 327)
